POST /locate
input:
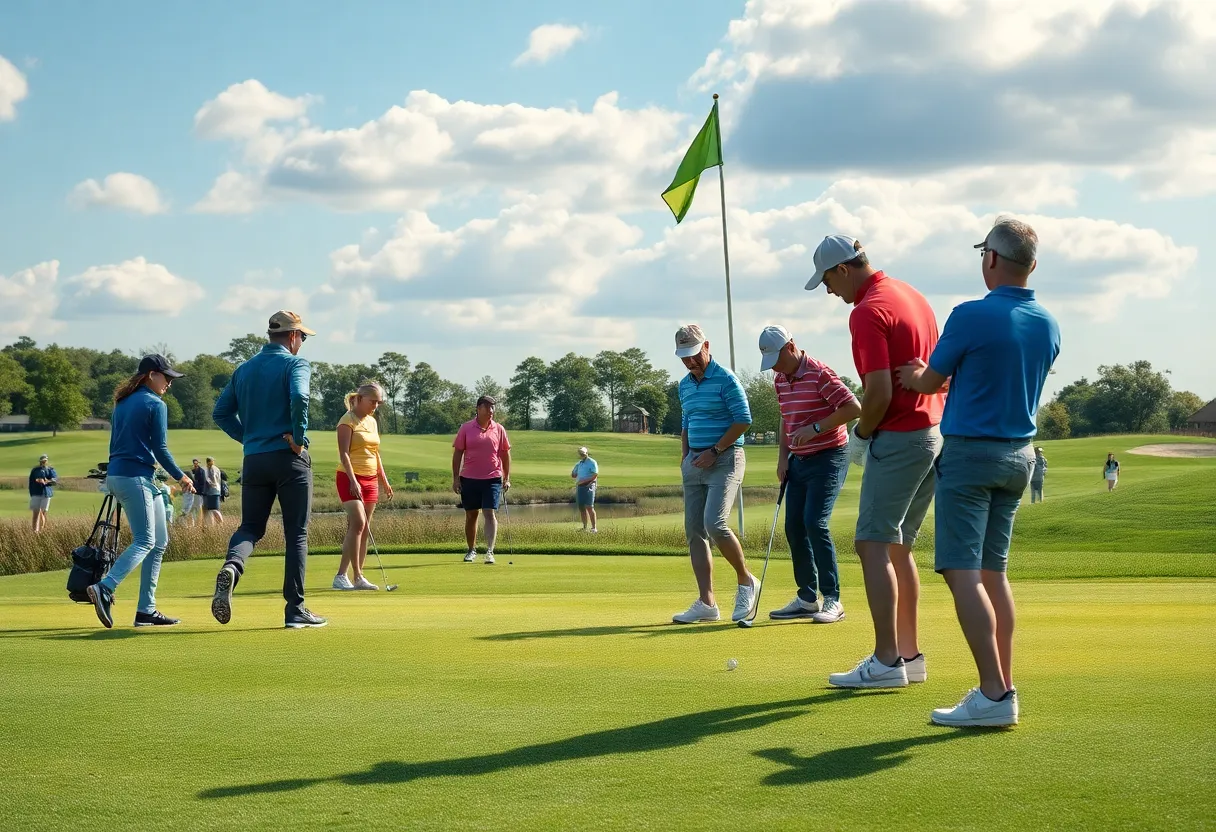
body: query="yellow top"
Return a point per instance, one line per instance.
(364, 444)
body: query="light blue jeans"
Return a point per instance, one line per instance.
(145, 512)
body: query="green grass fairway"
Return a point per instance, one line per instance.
(550, 694)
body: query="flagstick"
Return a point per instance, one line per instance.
(730, 316)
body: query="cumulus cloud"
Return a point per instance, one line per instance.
(133, 287)
(243, 110)
(548, 41)
(431, 147)
(13, 88)
(28, 299)
(264, 290)
(895, 87)
(128, 191)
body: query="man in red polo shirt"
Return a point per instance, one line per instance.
(896, 440)
(812, 460)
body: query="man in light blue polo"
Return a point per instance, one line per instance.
(715, 417)
(997, 353)
(586, 474)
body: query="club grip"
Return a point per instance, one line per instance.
(781, 493)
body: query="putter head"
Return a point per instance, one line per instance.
(747, 624)
(391, 588)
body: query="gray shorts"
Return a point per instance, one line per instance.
(709, 494)
(980, 483)
(40, 503)
(897, 485)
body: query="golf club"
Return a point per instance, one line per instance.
(747, 622)
(371, 538)
(506, 510)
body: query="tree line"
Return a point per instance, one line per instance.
(1125, 398)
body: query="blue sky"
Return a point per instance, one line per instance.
(472, 183)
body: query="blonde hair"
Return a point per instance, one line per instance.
(365, 389)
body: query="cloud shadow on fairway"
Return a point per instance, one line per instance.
(847, 763)
(672, 732)
(664, 629)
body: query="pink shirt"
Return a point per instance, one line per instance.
(483, 449)
(811, 394)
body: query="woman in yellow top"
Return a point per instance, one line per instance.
(359, 480)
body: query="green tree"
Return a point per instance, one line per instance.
(57, 402)
(452, 405)
(1182, 406)
(615, 376)
(1054, 421)
(673, 421)
(574, 403)
(12, 382)
(526, 392)
(424, 385)
(653, 399)
(762, 399)
(1076, 399)
(205, 376)
(1129, 398)
(174, 414)
(244, 348)
(330, 385)
(394, 369)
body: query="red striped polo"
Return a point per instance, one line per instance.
(811, 394)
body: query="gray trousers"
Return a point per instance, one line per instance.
(265, 477)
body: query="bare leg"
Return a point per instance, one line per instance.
(702, 568)
(582, 511)
(1000, 594)
(491, 528)
(732, 550)
(470, 528)
(34, 521)
(978, 620)
(882, 594)
(356, 522)
(908, 600)
(591, 513)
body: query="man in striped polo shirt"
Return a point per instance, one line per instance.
(715, 415)
(813, 458)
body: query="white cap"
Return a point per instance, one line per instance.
(772, 341)
(834, 250)
(583, 450)
(689, 339)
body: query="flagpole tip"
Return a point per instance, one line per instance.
(715, 96)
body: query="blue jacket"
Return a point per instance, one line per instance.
(138, 437)
(42, 472)
(266, 398)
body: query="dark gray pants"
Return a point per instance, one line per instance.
(264, 477)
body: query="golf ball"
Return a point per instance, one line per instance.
(731, 664)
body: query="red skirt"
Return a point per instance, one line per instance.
(369, 487)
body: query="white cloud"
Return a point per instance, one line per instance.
(430, 147)
(128, 191)
(243, 110)
(264, 290)
(133, 287)
(895, 87)
(28, 299)
(13, 88)
(548, 41)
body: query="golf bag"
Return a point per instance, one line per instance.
(93, 560)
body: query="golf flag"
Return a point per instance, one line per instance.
(705, 152)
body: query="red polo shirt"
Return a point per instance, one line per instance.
(891, 324)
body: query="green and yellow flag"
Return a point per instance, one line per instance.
(705, 152)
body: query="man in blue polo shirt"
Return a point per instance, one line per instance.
(997, 353)
(43, 480)
(715, 417)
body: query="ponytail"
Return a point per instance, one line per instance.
(350, 400)
(129, 386)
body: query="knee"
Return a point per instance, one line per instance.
(357, 525)
(718, 530)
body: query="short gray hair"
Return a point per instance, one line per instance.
(1014, 240)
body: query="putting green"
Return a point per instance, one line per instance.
(550, 694)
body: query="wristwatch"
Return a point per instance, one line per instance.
(815, 427)
(714, 448)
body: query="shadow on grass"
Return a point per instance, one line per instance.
(85, 634)
(664, 629)
(848, 763)
(673, 732)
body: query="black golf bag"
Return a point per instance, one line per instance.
(93, 560)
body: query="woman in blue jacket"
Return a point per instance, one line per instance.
(137, 442)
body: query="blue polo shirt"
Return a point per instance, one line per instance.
(997, 352)
(712, 405)
(266, 398)
(585, 468)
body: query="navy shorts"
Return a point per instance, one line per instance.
(480, 494)
(584, 495)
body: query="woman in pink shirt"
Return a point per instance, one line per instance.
(481, 473)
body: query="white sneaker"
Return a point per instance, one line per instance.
(364, 583)
(342, 582)
(795, 609)
(917, 672)
(745, 599)
(871, 673)
(471, 556)
(977, 710)
(699, 611)
(489, 558)
(595, 531)
(833, 612)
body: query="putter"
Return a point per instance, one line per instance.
(506, 510)
(750, 620)
(371, 538)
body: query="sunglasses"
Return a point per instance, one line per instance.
(984, 249)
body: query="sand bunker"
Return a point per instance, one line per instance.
(1176, 450)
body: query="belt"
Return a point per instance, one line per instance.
(957, 438)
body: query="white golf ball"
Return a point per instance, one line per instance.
(731, 664)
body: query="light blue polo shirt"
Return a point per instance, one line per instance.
(585, 468)
(997, 352)
(712, 405)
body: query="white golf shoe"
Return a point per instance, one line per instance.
(471, 556)
(489, 558)
(745, 599)
(699, 611)
(364, 583)
(795, 609)
(978, 711)
(917, 672)
(831, 613)
(342, 582)
(871, 673)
